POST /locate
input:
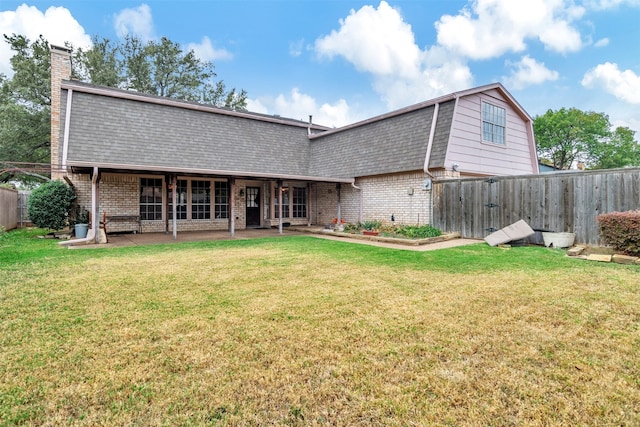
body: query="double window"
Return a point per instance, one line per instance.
(294, 203)
(194, 199)
(493, 123)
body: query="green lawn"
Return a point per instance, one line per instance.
(306, 331)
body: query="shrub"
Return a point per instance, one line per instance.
(50, 204)
(418, 232)
(621, 230)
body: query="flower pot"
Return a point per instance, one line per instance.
(369, 233)
(81, 230)
(558, 240)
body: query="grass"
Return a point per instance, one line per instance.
(305, 331)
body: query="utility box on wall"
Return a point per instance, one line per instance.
(427, 184)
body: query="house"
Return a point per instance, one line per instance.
(155, 164)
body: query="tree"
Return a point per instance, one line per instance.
(160, 68)
(567, 136)
(619, 151)
(25, 105)
(49, 205)
(98, 65)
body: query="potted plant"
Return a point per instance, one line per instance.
(81, 222)
(371, 227)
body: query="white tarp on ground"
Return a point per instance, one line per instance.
(516, 231)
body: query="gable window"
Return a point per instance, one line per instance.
(200, 199)
(493, 123)
(221, 199)
(299, 202)
(181, 198)
(150, 198)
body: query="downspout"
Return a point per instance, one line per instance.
(93, 236)
(360, 210)
(432, 133)
(65, 138)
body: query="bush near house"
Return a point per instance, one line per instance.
(621, 230)
(49, 205)
(417, 231)
(403, 231)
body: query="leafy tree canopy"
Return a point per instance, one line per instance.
(157, 67)
(569, 136)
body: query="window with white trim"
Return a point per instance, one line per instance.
(493, 123)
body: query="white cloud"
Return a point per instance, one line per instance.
(137, 21)
(490, 28)
(624, 85)
(374, 40)
(528, 72)
(378, 41)
(205, 51)
(602, 42)
(299, 106)
(56, 25)
(610, 4)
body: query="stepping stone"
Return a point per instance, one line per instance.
(599, 257)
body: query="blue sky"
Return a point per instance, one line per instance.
(343, 61)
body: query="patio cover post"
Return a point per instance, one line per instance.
(95, 204)
(232, 209)
(280, 206)
(338, 187)
(174, 208)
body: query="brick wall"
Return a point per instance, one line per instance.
(379, 197)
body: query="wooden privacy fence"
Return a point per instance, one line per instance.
(561, 201)
(8, 208)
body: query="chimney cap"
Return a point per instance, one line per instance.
(62, 48)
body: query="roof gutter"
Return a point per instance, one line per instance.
(236, 174)
(95, 218)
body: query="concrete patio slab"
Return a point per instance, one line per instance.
(123, 240)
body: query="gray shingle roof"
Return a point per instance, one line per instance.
(395, 144)
(109, 130)
(119, 129)
(441, 136)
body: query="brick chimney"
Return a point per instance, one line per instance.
(60, 70)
